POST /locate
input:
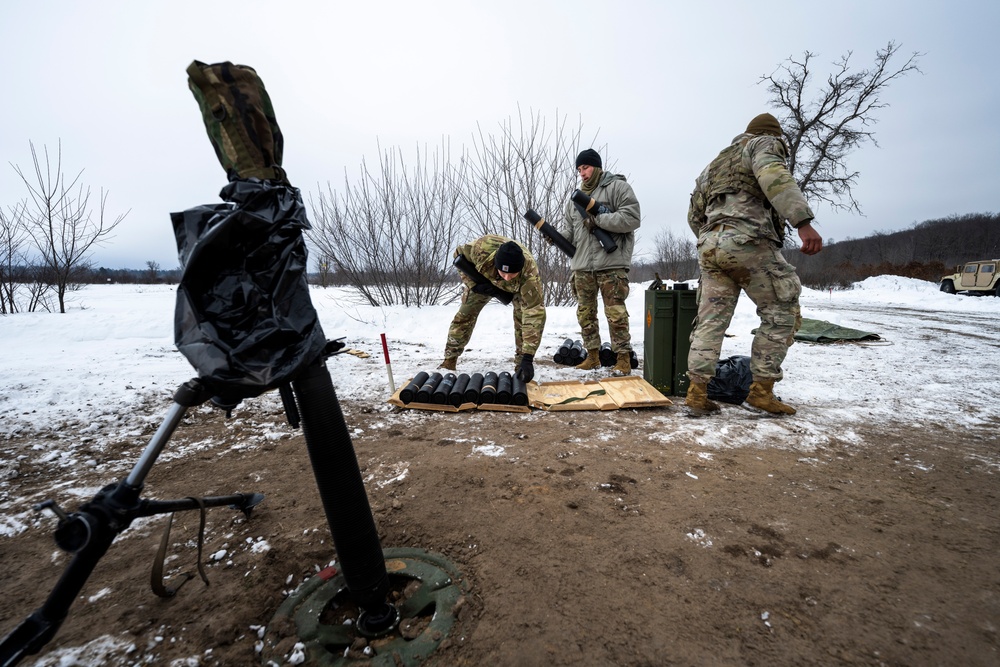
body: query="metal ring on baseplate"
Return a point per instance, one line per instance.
(320, 620)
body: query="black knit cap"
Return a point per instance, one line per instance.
(509, 258)
(589, 157)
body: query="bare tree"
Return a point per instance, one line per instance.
(391, 235)
(152, 271)
(61, 223)
(676, 256)
(526, 165)
(12, 239)
(324, 269)
(824, 127)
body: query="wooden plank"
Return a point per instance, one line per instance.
(634, 392)
(498, 407)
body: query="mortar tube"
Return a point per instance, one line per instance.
(342, 489)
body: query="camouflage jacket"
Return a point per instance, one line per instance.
(615, 193)
(762, 156)
(526, 286)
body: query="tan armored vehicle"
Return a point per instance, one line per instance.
(979, 277)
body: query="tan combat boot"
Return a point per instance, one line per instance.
(449, 363)
(624, 365)
(762, 396)
(697, 398)
(592, 361)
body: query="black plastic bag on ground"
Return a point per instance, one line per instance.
(244, 318)
(732, 380)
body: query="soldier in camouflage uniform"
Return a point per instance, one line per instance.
(509, 267)
(737, 211)
(596, 271)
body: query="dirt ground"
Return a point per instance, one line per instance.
(585, 538)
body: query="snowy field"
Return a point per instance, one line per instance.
(109, 365)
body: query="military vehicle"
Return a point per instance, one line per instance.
(979, 277)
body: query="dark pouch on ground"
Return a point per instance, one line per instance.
(244, 318)
(732, 380)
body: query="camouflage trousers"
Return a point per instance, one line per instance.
(612, 285)
(464, 322)
(731, 261)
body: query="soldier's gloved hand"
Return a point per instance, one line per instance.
(526, 370)
(486, 289)
(589, 222)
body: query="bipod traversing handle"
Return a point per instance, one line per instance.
(245, 502)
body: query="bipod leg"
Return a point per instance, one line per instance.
(189, 394)
(89, 532)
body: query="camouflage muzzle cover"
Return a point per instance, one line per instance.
(239, 119)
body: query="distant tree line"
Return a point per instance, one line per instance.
(29, 288)
(927, 251)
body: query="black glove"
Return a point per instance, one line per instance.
(588, 220)
(583, 200)
(491, 290)
(526, 370)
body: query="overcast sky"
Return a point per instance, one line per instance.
(664, 85)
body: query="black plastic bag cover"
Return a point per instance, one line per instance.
(244, 318)
(732, 380)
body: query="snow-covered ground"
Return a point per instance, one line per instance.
(109, 365)
(105, 371)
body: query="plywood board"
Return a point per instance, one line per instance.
(634, 392)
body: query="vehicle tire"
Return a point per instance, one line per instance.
(948, 286)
